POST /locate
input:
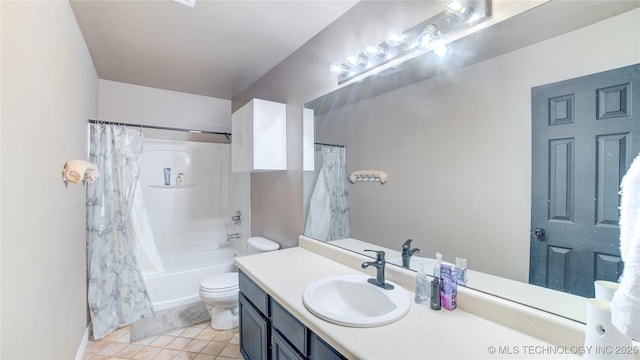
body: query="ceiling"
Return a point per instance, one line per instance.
(216, 48)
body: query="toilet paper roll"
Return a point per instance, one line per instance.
(605, 289)
(602, 339)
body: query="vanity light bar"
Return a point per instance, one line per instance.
(400, 47)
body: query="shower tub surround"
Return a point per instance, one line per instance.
(188, 222)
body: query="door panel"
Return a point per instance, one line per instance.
(561, 179)
(585, 134)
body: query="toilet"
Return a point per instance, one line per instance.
(219, 293)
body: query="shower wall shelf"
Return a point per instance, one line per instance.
(172, 186)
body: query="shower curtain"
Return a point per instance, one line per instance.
(116, 291)
(144, 244)
(328, 216)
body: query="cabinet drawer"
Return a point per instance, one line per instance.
(290, 327)
(254, 293)
(320, 350)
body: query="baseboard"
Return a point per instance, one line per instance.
(83, 343)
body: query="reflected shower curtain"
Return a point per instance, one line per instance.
(116, 293)
(328, 217)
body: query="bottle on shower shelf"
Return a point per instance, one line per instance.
(167, 176)
(180, 179)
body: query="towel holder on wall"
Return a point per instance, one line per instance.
(75, 171)
(369, 176)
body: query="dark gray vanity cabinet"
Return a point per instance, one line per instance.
(269, 332)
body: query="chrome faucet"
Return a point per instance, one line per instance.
(379, 265)
(407, 252)
(237, 218)
(232, 236)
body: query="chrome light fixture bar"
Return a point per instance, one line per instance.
(430, 35)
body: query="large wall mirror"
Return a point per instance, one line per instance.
(457, 144)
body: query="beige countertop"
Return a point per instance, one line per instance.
(422, 334)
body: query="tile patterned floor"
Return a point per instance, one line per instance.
(199, 342)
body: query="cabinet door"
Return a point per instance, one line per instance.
(269, 126)
(259, 137)
(254, 332)
(280, 349)
(319, 350)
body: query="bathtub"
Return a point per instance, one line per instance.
(184, 270)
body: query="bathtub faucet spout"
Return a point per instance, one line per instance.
(232, 237)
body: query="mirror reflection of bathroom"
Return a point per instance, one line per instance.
(458, 146)
(562, 226)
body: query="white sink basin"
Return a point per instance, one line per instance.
(350, 300)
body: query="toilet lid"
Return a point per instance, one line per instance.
(263, 244)
(220, 282)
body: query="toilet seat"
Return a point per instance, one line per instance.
(220, 283)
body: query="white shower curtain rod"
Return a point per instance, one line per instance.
(227, 135)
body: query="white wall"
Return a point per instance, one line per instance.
(135, 104)
(458, 149)
(49, 89)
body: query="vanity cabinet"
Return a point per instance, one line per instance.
(258, 137)
(269, 332)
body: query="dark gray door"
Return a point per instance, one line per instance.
(585, 134)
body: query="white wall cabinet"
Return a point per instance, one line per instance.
(258, 137)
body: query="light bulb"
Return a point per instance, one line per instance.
(395, 38)
(352, 60)
(373, 50)
(454, 6)
(458, 7)
(425, 38)
(336, 68)
(441, 50)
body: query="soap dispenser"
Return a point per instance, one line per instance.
(435, 284)
(422, 283)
